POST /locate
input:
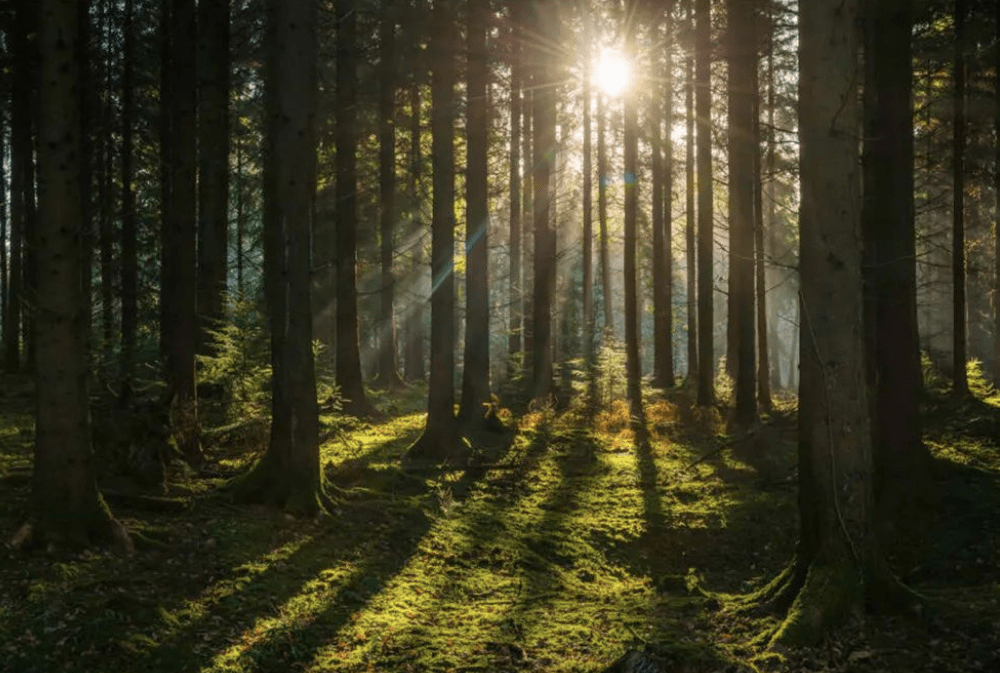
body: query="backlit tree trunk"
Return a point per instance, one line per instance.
(703, 116)
(631, 160)
(516, 76)
(689, 207)
(958, 206)
(130, 254)
(602, 216)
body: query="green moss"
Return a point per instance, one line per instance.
(832, 591)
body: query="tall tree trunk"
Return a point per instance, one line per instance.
(3, 207)
(668, 201)
(348, 374)
(742, 194)
(289, 474)
(213, 167)
(66, 505)
(631, 161)
(837, 568)
(87, 105)
(415, 352)
(772, 177)
(130, 250)
(516, 75)
(703, 116)
(387, 368)
(440, 440)
(602, 216)
(588, 198)
(760, 280)
(996, 195)
(661, 299)
(958, 206)
(240, 214)
(545, 23)
(166, 152)
(527, 209)
(29, 282)
(901, 461)
(179, 273)
(689, 206)
(105, 188)
(476, 365)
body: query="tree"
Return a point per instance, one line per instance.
(388, 368)
(87, 105)
(631, 159)
(837, 566)
(760, 274)
(213, 166)
(415, 352)
(742, 193)
(439, 440)
(130, 251)
(663, 366)
(544, 22)
(689, 205)
(516, 75)
(288, 475)
(889, 235)
(67, 507)
(996, 192)
(476, 367)
(958, 205)
(706, 224)
(178, 291)
(588, 198)
(348, 374)
(602, 215)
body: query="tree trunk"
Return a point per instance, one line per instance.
(516, 286)
(602, 217)
(545, 21)
(130, 250)
(742, 194)
(901, 461)
(415, 359)
(213, 167)
(958, 206)
(289, 475)
(689, 207)
(703, 116)
(166, 152)
(837, 565)
(631, 160)
(996, 195)
(179, 273)
(87, 105)
(668, 202)
(66, 505)
(440, 441)
(527, 213)
(348, 374)
(763, 354)
(29, 282)
(105, 187)
(588, 200)
(661, 299)
(772, 238)
(387, 368)
(476, 365)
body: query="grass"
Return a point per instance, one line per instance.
(568, 546)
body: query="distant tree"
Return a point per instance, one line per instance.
(213, 166)
(631, 160)
(348, 374)
(415, 355)
(388, 368)
(888, 224)
(742, 50)
(440, 440)
(958, 204)
(706, 222)
(476, 365)
(288, 475)
(67, 507)
(178, 291)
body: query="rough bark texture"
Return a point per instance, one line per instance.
(440, 441)
(661, 298)
(588, 200)
(86, 101)
(760, 274)
(415, 358)
(958, 206)
(836, 557)
(901, 460)
(544, 20)
(703, 116)
(348, 369)
(66, 505)
(179, 272)
(631, 160)
(289, 475)
(213, 166)
(602, 216)
(742, 68)
(476, 366)
(388, 369)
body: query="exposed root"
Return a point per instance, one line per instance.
(833, 590)
(267, 486)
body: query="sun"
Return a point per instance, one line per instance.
(614, 73)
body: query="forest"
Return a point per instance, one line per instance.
(616, 336)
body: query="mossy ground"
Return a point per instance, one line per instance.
(563, 546)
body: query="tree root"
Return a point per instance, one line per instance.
(264, 485)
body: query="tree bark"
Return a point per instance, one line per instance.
(87, 105)
(476, 365)
(213, 167)
(289, 474)
(703, 116)
(348, 368)
(763, 354)
(742, 194)
(179, 273)
(130, 249)
(440, 441)
(66, 505)
(602, 217)
(388, 368)
(105, 185)
(631, 161)
(516, 75)
(415, 341)
(689, 206)
(996, 193)
(588, 198)
(959, 358)
(661, 299)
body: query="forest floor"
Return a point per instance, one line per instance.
(564, 548)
